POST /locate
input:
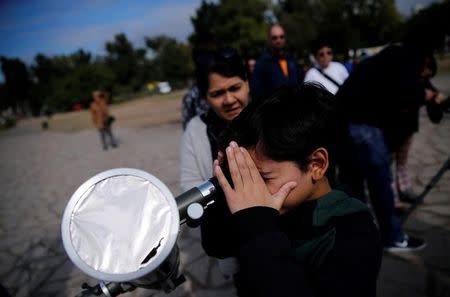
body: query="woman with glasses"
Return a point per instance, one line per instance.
(328, 73)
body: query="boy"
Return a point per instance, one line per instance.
(291, 233)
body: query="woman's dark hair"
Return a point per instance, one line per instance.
(289, 125)
(225, 61)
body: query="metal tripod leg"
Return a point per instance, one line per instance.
(427, 189)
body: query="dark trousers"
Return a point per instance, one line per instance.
(105, 133)
(374, 167)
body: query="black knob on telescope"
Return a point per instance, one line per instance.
(200, 195)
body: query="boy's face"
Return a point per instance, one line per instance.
(276, 173)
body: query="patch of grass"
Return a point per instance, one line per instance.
(70, 121)
(138, 111)
(125, 97)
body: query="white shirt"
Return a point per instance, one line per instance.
(195, 155)
(335, 70)
(196, 168)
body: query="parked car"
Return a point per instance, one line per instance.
(164, 87)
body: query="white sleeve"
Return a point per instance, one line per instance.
(192, 157)
(309, 76)
(343, 73)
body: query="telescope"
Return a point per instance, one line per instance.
(121, 226)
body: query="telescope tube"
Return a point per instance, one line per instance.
(203, 194)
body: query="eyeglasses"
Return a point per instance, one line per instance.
(322, 54)
(275, 37)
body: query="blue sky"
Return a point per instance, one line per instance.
(61, 27)
(55, 27)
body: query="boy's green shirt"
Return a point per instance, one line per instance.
(334, 204)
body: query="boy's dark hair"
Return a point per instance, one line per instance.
(289, 125)
(226, 62)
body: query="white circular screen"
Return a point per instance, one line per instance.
(120, 224)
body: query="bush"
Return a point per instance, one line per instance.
(7, 121)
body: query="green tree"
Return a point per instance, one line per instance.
(125, 62)
(78, 86)
(44, 72)
(172, 60)
(346, 23)
(299, 19)
(17, 85)
(430, 26)
(62, 81)
(235, 23)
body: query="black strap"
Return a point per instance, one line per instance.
(328, 77)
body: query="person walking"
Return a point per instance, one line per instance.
(101, 118)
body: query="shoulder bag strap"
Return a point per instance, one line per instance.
(328, 77)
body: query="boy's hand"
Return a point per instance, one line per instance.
(249, 187)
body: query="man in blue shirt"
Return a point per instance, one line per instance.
(275, 67)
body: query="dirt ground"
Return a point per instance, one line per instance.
(137, 113)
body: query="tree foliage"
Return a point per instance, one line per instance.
(63, 81)
(172, 59)
(125, 61)
(17, 87)
(346, 23)
(59, 82)
(235, 23)
(430, 26)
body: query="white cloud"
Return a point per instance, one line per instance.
(173, 20)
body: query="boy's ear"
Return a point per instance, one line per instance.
(318, 164)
